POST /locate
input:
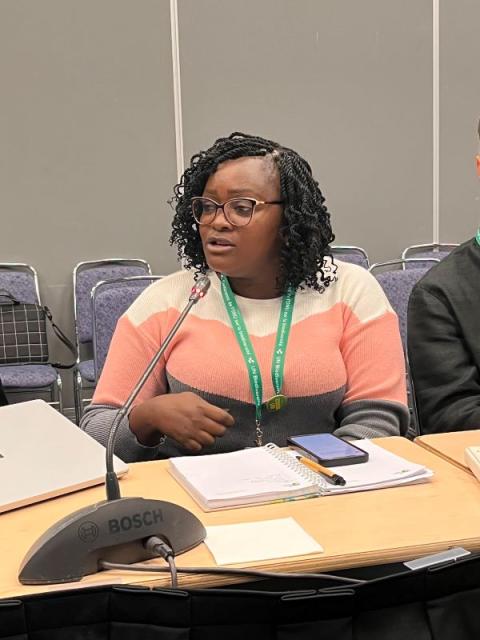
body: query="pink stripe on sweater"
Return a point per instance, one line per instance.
(325, 352)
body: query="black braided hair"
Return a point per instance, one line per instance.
(306, 229)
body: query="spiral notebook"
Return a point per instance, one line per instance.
(267, 474)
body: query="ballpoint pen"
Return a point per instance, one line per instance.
(328, 473)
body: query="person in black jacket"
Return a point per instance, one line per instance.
(444, 340)
(3, 397)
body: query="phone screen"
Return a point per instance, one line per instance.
(326, 446)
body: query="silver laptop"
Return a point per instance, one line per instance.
(44, 455)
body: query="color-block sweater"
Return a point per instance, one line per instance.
(344, 367)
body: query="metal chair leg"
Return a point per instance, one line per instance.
(77, 394)
(414, 428)
(59, 393)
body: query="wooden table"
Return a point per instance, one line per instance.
(357, 529)
(451, 446)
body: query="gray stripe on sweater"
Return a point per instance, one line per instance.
(310, 414)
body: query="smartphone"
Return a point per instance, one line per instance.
(327, 449)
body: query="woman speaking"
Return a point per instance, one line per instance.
(287, 341)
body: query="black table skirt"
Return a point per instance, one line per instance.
(440, 603)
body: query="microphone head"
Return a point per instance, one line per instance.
(200, 289)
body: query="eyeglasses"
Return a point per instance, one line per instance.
(237, 211)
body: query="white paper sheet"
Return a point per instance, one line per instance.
(263, 540)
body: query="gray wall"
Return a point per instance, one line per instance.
(348, 84)
(87, 142)
(459, 114)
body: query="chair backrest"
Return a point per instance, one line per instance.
(398, 284)
(436, 250)
(85, 276)
(20, 280)
(354, 255)
(110, 299)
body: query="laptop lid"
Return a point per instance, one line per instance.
(44, 455)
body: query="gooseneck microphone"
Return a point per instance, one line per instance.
(199, 290)
(117, 529)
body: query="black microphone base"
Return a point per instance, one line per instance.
(113, 531)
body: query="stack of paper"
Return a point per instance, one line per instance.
(267, 474)
(257, 541)
(383, 469)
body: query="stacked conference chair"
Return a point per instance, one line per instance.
(21, 281)
(85, 276)
(397, 278)
(435, 250)
(349, 253)
(110, 299)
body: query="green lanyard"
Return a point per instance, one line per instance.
(278, 361)
(477, 237)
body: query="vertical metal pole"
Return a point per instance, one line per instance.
(436, 122)
(177, 87)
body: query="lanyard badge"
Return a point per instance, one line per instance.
(279, 400)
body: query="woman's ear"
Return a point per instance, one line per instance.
(478, 165)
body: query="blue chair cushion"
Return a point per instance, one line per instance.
(353, 258)
(87, 370)
(86, 280)
(429, 255)
(19, 284)
(27, 376)
(110, 303)
(398, 286)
